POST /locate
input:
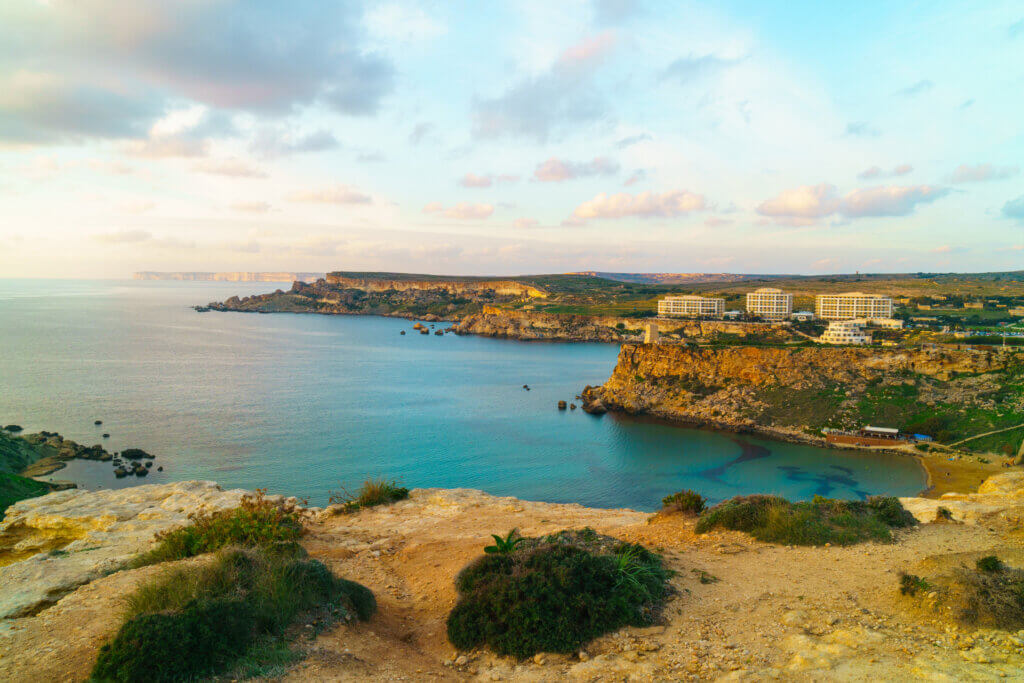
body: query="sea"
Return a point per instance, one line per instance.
(311, 405)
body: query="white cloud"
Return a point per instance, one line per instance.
(646, 205)
(978, 173)
(336, 194)
(555, 170)
(394, 22)
(473, 180)
(461, 211)
(889, 200)
(807, 204)
(801, 205)
(234, 168)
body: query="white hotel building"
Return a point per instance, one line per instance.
(691, 306)
(852, 305)
(770, 303)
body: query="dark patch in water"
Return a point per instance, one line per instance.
(748, 452)
(826, 483)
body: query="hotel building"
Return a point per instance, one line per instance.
(852, 305)
(770, 303)
(845, 332)
(691, 306)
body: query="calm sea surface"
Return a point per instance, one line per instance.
(305, 404)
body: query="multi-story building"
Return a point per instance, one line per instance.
(852, 305)
(845, 332)
(770, 303)
(691, 306)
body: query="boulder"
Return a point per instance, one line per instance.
(562, 405)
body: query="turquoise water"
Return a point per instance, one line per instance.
(304, 404)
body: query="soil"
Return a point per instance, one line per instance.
(742, 610)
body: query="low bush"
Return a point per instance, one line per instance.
(256, 523)
(815, 522)
(989, 563)
(990, 598)
(684, 501)
(556, 593)
(373, 492)
(910, 584)
(198, 620)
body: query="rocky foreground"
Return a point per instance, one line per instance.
(742, 610)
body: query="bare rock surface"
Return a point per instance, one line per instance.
(52, 544)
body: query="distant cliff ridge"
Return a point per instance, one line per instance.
(229, 277)
(453, 286)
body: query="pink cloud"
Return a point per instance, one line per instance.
(336, 194)
(234, 168)
(461, 211)
(979, 173)
(473, 180)
(645, 205)
(807, 204)
(588, 51)
(523, 223)
(555, 170)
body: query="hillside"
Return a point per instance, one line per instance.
(795, 392)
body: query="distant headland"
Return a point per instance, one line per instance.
(229, 277)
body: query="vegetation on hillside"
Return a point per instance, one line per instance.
(373, 492)
(201, 620)
(14, 488)
(816, 522)
(989, 595)
(256, 523)
(554, 593)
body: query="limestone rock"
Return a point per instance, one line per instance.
(52, 544)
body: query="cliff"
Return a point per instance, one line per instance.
(527, 325)
(794, 392)
(741, 609)
(452, 286)
(228, 277)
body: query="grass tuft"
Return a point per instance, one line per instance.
(822, 520)
(373, 492)
(686, 501)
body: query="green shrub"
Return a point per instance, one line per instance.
(555, 594)
(14, 488)
(256, 523)
(822, 520)
(684, 501)
(989, 563)
(910, 584)
(197, 620)
(504, 545)
(373, 492)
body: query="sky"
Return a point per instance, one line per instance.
(510, 136)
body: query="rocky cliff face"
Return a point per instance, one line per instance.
(799, 390)
(460, 287)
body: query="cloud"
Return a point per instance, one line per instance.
(644, 205)
(555, 170)
(461, 211)
(336, 194)
(807, 204)
(889, 200)
(168, 147)
(802, 205)
(1014, 209)
(688, 69)
(633, 139)
(251, 207)
(473, 180)
(107, 69)
(123, 237)
(40, 108)
(613, 12)
(979, 173)
(715, 221)
(862, 129)
(947, 249)
(397, 23)
(916, 88)
(552, 102)
(876, 172)
(271, 142)
(233, 168)
(524, 223)
(638, 175)
(420, 132)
